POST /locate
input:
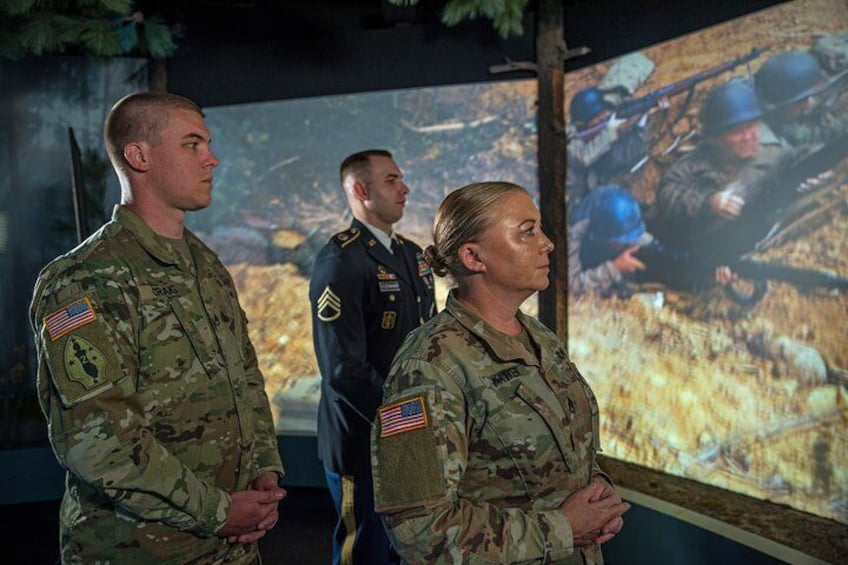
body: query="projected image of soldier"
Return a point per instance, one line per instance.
(611, 252)
(602, 242)
(801, 103)
(602, 147)
(610, 132)
(730, 171)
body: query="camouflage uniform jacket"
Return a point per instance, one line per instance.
(154, 401)
(683, 210)
(478, 443)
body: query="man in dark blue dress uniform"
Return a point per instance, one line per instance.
(369, 288)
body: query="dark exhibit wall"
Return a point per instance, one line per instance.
(284, 57)
(48, 95)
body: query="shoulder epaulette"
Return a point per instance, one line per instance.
(347, 237)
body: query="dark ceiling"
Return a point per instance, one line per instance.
(251, 22)
(240, 23)
(250, 50)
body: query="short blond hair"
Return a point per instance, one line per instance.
(139, 117)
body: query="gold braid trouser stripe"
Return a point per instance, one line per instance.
(349, 519)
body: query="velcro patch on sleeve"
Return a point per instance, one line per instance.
(408, 453)
(404, 416)
(80, 353)
(68, 318)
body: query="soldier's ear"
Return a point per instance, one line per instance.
(360, 191)
(471, 258)
(135, 155)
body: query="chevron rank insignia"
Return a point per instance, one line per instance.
(329, 306)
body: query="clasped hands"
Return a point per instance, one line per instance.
(595, 513)
(253, 512)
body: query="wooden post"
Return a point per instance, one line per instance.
(550, 54)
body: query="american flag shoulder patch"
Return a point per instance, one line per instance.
(402, 417)
(70, 317)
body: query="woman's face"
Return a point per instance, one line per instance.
(514, 249)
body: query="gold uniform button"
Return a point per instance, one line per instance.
(391, 298)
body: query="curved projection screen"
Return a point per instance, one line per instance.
(751, 396)
(748, 397)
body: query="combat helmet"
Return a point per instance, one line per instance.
(615, 216)
(728, 105)
(586, 104)
(788, 77)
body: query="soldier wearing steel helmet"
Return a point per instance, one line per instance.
(791, 87)
(602, 242)
(710, 186)
(607, 243)
(602, 148)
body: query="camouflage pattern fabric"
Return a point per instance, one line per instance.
(478, 443)
(155, 404)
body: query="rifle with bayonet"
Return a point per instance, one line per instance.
(637, 106)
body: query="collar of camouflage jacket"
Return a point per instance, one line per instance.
(158, 246)
(502, 346)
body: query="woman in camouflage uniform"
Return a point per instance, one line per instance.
(484, 448)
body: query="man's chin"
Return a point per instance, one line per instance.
(199, 206)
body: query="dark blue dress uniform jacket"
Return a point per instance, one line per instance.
(364, 301)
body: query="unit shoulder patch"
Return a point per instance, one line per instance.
(84, 363)
(80, 351)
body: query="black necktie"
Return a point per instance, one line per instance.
(398, 253)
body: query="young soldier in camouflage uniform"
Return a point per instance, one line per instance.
(148, 380)
(484, 448)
